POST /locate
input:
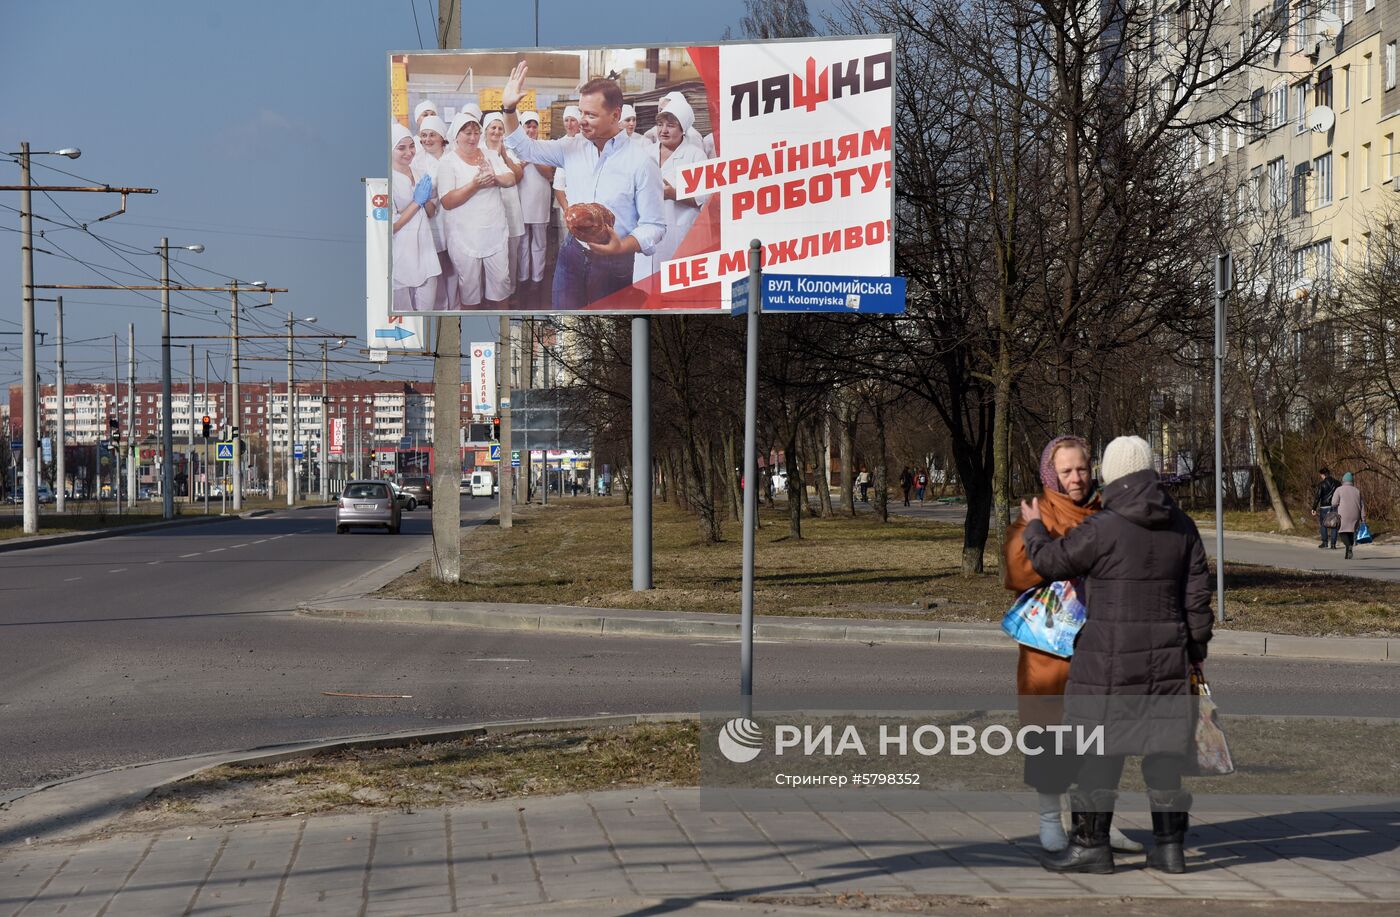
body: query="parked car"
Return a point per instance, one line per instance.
(484, 484)
(420, 488)
(465, 487)
(46, 494)
(405, 499)
(779, 482)
(367, 504)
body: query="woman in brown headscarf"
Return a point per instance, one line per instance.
(1068, 498)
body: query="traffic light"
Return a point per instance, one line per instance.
(205, 421)
(496, 429)
(114, 428)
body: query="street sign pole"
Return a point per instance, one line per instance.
(750, 474)
(1224, 280)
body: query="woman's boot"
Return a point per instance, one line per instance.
(1170, 819)
(1088, 850)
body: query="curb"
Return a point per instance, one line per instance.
(98, 796)
(605, 622)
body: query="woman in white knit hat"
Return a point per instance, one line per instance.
(493, 139)
(1147, 622)
(536, 196)
(415, 261)
(672, 153)
(432, 143)
(468, 185)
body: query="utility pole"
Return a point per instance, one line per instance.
(641, 455)
(167, 415)
(268, 450)
(131, 417)
(116, 414)
(61, 470)
(505, 471)
(30, 435)
(189, 462)
(206, 438)
(321, 446)
(447, 392)
(528, 364)
(291, 420)
(236, 410)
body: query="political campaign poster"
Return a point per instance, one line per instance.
(631, 180)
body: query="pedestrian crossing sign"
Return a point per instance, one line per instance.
(495, 452)
(225, 453)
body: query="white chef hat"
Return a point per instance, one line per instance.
(425, 105)
(474, 109)
(435, 124)
(572, 111)
(680, 109)
(628, 112)
(491, 119)
(529, 116)
(397, 134)
(668, 98)
(461, 118)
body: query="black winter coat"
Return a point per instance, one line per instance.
(1147, 601)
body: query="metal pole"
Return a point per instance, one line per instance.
(237, 408)
(750, 475)
(30, 453)
(504, 471)
(291, 411)
(268, 431)
(1224, 270)
(131, 444)
(321, 452)
(206, 439)
(61, 470)
(116, 442)
(190, 460)
(641, 455)
(167, 415)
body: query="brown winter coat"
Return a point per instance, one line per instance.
(1147, 597)
(1350, 507)
(1040, 674)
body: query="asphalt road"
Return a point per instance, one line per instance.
(182, 641)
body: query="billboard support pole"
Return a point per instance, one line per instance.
(504, 472)
(641, 454)
(750, 475)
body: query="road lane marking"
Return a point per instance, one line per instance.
(72, 579)
(118, 570)
(152, 563)
(215, 550)
(239, 546)
(260, 541)
(195, 554)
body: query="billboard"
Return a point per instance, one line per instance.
(337, 436)
(483, 364)
(631, 180)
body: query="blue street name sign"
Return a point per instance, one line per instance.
(225, 450)
(739, 296)
(406, 442)
(299, 450)
(825, 293)
(495, 452)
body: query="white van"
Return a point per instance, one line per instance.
(482, 484)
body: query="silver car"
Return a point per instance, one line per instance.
(367, 503)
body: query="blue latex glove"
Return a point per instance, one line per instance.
(424, 191)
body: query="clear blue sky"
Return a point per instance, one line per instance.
(256, 121)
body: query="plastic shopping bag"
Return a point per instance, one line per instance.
(1047, 618)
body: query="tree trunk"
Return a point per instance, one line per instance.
(1266, 471)
(795, 486)
(975, 528)
(661, 468)
(822, 439)
(882, 464)
(848, 481)
(1001, 442)
(731, 479)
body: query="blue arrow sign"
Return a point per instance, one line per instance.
(495, 452)
(225, 451)
(825, 293)
(396, 333)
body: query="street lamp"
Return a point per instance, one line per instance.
(292, 407)
(167, 414)
(236, 410)
(31, 394)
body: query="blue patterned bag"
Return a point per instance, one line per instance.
(1363, 534)
(1047, 618)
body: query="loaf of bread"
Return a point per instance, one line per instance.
(589, 222)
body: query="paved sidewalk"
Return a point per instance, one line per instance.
(631, 847)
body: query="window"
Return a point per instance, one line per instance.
(1256, 110)
(1278, 105)
(1322, 180)
(1210, 145)
(1344, 174)
(1365, 166)
(1300, 189)
(1300, 105)
(1387, 151)
(1366, 72)
(1224, 141)
(1278, 182)
(1390, 65)
(1239, 137)
(1322, 95)
(1348, 10)
(1370, 5)
(1346, 87)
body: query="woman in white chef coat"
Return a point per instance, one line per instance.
(692, 136)
(432, 141)
(469, 183)
(672, 152)
(416, 266)
(493, 139)
(536, 195)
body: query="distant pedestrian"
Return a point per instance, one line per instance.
(1322, 499)
(920, 485)
(906, 483)
(1347, 503)
(863, 482)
